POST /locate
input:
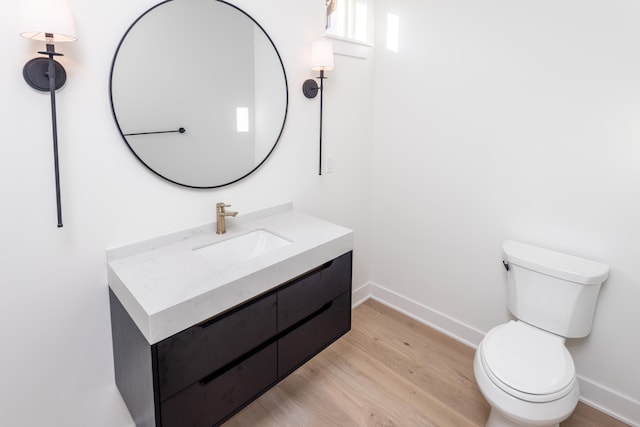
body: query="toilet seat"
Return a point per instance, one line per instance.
(528, 363)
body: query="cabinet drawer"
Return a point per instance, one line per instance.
(195, 353)
(205, 404)
(313, 290)
(311, 337)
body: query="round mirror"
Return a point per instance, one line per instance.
(199, 92)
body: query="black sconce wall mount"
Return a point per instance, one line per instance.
(49, 21)
(321, 60)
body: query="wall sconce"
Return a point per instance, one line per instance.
(321, 60)
(49, 21)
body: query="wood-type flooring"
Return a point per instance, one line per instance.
(389, 370)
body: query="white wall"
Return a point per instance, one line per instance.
(55, 360)
(506, 119)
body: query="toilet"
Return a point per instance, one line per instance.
(522, 367)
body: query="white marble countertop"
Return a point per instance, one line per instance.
(166, 287)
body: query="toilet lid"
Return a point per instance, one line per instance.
(527, 359)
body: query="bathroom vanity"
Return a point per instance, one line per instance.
(196, 336)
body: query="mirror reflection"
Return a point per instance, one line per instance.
(199, 92)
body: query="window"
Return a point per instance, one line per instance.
(350, 19)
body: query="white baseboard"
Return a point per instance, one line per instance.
(593, 394)
(360, 295)
(610, 401)
(421, 313)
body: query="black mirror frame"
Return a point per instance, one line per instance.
(284, 119)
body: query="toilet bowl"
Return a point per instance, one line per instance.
(527, 376)
(522, 367)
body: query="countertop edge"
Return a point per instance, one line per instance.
(160, 323)
(163, 324)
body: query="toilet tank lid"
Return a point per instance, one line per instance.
(556, 264)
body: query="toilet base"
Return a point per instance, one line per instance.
(521, 413)
(497, 419)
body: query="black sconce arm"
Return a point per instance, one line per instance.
(310, 89)
(46, 74)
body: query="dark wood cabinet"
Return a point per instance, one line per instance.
(201, 376)
(191, 355)
(210, 400)
(306, 340)
(311, 291)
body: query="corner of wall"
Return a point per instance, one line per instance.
(423, 314)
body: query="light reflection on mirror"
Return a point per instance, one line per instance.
(242, 119)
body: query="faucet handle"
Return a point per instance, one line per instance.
(222, 205)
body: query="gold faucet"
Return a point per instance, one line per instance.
(221, 227)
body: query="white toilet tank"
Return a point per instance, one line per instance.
(551, 290)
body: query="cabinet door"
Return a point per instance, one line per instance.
(208, 402)
(195, 353)
(310, 292)
(304, 342)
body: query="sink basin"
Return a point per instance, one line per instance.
(237, 250)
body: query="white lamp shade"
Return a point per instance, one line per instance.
(322, 55)
(41, 17)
